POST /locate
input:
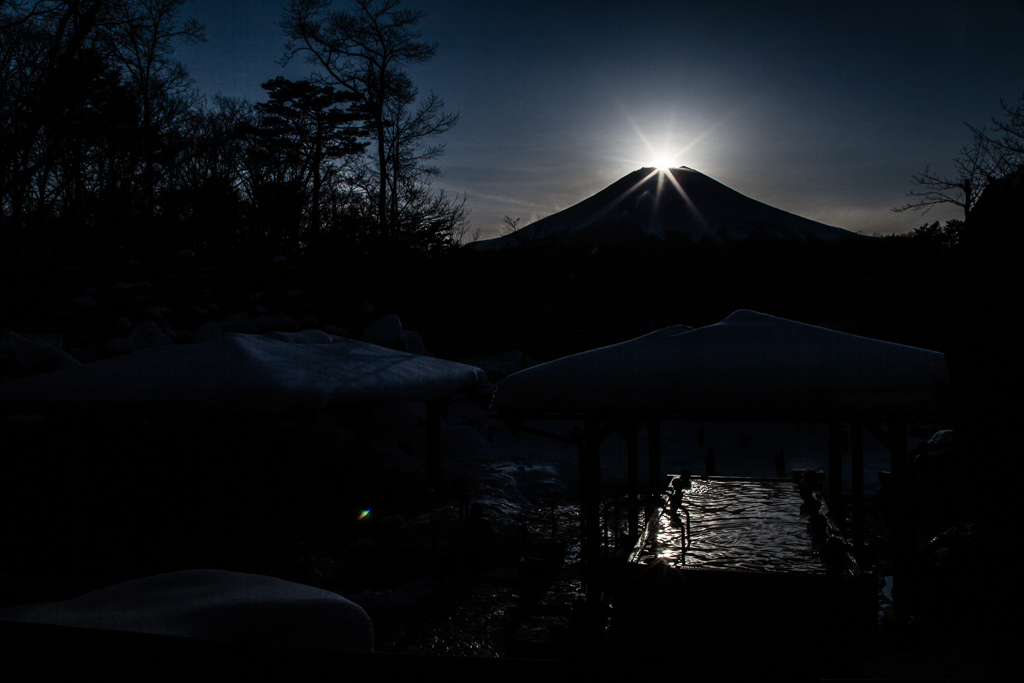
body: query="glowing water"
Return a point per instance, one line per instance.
(750, 525)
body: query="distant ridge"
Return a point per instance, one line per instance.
(678, 205)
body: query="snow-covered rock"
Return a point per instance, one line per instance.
(158, 311)
(208, 330)
(148, 335)
(414, 343)
(335, 330)
(386, 331)
(239, 322)
(276, 322)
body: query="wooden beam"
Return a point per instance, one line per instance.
(880, 434)
(902, 531)
(591, 492)
(633, 504)
(653, 462)
(835, 463)
(857, 482)
(434, 411)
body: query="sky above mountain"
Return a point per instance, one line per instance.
(822, 109)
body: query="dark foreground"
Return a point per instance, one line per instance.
(515, 611)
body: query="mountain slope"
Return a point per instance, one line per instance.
(676, 205)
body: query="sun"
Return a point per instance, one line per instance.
(663, 162)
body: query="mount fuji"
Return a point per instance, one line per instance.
(678, 205)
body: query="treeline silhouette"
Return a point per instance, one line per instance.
(552, 301)
(106, 144)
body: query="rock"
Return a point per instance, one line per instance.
(118, 346)
(334, 330)
(48, 337)
(208, 330)
(278, 261)
(85, 301)
(21, 355)
(360, 307)
(304, 337)
(158, 311)
(148, 335)
(294, 292)
(386, 331)
(186, 253)
(415, 595)
(239, 322)
(142, 284)
(414, 343)
(122, 286)
(256, 296)
(278, 322)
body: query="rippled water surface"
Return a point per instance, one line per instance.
(750, 525)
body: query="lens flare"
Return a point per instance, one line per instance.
(365, 513)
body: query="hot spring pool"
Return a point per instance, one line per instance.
(744, 524)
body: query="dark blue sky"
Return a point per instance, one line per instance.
(824, 109)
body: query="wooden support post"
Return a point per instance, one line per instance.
(633, 504)
(902, 531)
(592, 494)
(584, 499)
(835, 463)
(857, 482)
(653, 463)
(434, 410)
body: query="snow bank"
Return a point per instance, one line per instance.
(275, 373)
(749, 366)
(216, 605)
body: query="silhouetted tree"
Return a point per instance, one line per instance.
(38, 45)
(140, 38)
(989, 156)
(307, 126)
(363, 52)
(976, 166)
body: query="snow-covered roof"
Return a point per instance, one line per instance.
(213, 604)
(749, 366)
(275, 373)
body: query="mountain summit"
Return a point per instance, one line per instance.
(677, 205)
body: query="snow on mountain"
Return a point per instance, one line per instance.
(677, 205)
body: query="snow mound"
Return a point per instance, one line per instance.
(212, 604)
(278, 373)
(749, 366)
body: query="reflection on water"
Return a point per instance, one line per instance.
(750, 525)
